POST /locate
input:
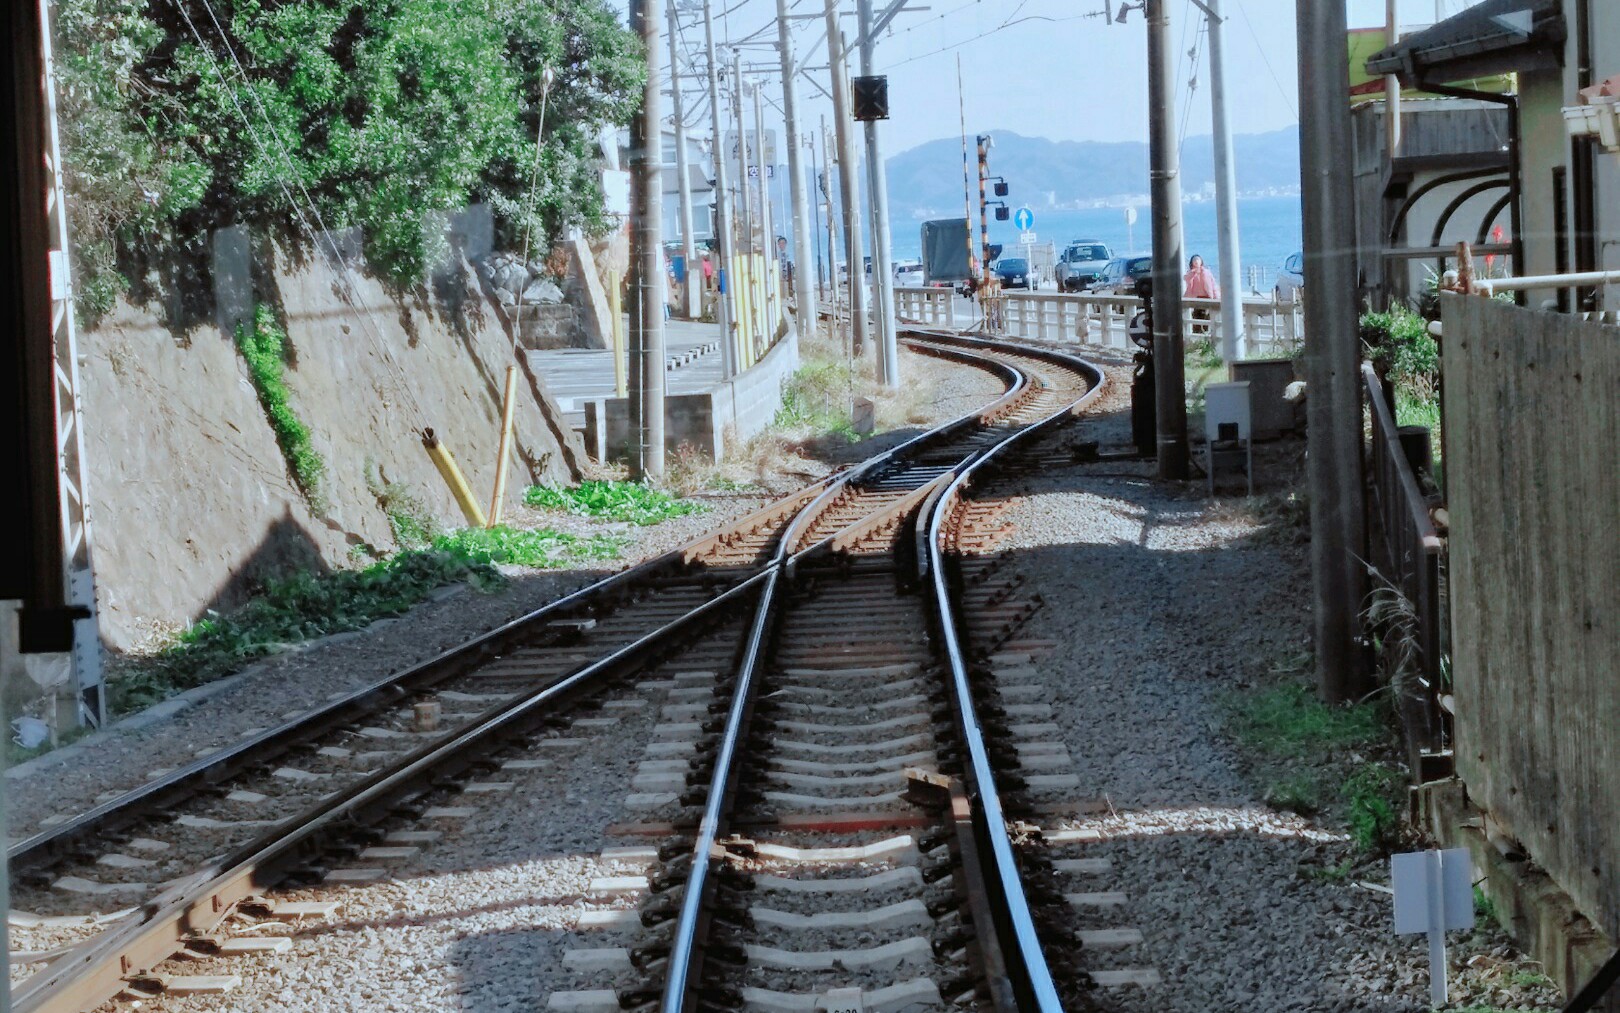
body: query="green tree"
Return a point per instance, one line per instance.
(189, 115)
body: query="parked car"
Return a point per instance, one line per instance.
(1013, 272)
(1290, 279)
(1119, 277)
(908, 273)
(1082, 263)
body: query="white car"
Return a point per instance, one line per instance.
(1290, 280)
(908, 273)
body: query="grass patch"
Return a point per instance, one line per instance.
(1372, 795)
(612, 500)
(264, 349)
(1308, 754)
(309, 605)
(1288, 722)
(301, 607)
(817, 397)
(538, 547)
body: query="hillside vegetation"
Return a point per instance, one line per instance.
(182, 116)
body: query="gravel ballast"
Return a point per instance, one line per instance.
(1163, 605)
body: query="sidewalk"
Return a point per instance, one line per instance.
(702, 410)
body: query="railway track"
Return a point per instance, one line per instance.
(767, 595)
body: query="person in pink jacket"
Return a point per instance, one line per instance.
(1201, 284)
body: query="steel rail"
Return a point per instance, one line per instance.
(88, 976)
(1032, 979)
(682, 983)
(137, 804)
(89, 973)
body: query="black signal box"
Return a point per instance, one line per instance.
(870, 97)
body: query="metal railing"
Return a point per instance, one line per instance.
(1406, 551)
(1271, 329)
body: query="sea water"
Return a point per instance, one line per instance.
(1269, 231)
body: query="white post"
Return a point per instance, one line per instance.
(1226, 197)
(691, 292)
(804, 287)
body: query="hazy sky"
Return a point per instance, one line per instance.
(1039, 67)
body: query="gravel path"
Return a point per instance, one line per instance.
(1162, 602)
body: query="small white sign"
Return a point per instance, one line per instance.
(1130, 215)
(841, 1000)
(1434, 893)
(1027, 238)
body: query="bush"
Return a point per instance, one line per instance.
(299, 114)
(1398, 341)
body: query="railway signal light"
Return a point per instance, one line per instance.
(870, 97)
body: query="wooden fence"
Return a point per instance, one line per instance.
(1532, 439)
(1271, 329)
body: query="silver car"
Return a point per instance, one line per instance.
(908, 273)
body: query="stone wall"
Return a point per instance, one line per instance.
(192, 501)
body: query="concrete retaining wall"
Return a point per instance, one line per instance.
(715, 422)
(191, 499)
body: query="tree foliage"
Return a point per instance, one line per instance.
(183, 116)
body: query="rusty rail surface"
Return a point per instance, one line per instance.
(1406, 549)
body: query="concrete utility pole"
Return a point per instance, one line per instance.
(647, 253)
(767, 227)
(692, 291)
(1392, 82)
(1333, 452)
(862, 332)
(804, 290)
(745, 245)
(723, 244)
(1165, 160)
(1226, 210)
(877, 187)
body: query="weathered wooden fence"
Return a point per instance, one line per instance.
(1532, 439)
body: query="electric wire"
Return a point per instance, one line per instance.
(365, 315)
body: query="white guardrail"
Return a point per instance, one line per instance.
(1271, 329)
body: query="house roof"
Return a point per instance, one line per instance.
(1494, 37)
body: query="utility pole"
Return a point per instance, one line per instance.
(1226, 210)
(646, 252)
(877, 186)
(825, 183)
(862, 326)
(1392, 82)
(1333, 451)
(723, 245)
(692, 297)
(767, 227)
(803, 290)
(815, 236)
(745, 245)
(984, 142)
(1169, 371)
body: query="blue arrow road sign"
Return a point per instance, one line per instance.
(1024, 218)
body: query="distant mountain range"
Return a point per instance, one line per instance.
(927, 179)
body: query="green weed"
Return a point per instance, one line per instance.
(264, 350)
(817, 397)
(540, 547)
(1372, 796)
(1484, 907)
(1289, 723)
(309, 605)
(612, 501)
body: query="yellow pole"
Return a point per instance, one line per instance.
(508, 409)
(621, 361)
(453, 478)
